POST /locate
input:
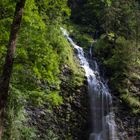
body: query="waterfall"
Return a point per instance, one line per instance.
(103, 124)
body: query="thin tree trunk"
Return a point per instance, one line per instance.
(7, 70)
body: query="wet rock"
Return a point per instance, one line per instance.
(127, 124)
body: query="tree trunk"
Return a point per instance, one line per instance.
(7, 70)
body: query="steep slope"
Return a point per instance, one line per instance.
(117, 51)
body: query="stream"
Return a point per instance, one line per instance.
(102, 117)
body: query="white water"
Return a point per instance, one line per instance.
(103, 124)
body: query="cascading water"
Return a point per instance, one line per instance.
(103, 124)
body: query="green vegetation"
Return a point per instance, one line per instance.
(79, 34)
(120, 63)
(46, 75)
(116, 25)
(41, 53)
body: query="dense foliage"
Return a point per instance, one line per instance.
(116, 25)
(46, 77)
(41, 52)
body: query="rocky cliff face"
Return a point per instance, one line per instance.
(68, 121)
(73, 114)
(128, 124)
